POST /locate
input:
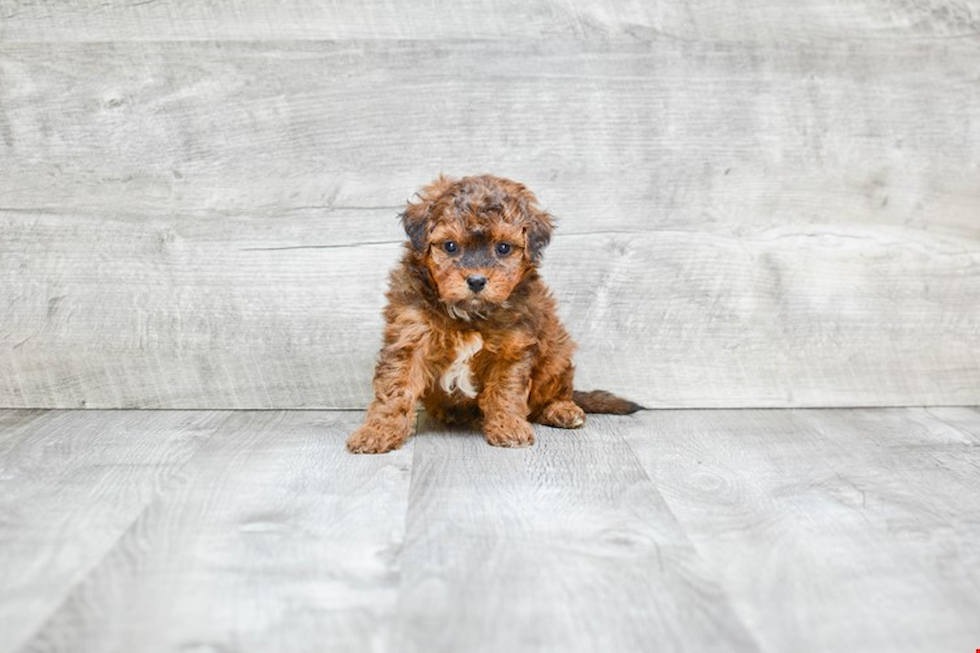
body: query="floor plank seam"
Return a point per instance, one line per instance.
(168, 487)
(730, 604)
(389, 644)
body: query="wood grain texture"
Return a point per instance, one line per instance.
(769, 530)
(966, 420)
(669, 318)
(276, 539)
(564, 546)
(831, 530)
(742, 224)
(741, 20)
(71, 483)
(611, 134)
(13, 423)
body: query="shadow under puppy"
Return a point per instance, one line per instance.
(471, 329)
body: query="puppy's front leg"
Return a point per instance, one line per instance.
(399, 381)
(503, 401)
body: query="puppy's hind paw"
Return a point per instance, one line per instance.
(373, 438)
(563, 414)
(508, 432)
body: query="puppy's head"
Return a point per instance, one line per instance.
(478, 237)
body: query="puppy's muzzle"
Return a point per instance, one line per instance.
(476, 282)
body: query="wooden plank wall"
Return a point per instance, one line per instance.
(761, 204)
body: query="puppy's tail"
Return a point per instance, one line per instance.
(600, 401)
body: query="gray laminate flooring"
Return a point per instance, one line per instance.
(742, 530)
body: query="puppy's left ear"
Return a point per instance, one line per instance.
(540, 224)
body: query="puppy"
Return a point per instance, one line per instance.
(471, 329)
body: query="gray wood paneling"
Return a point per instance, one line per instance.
(13, 423)
(831, 530)
(617, 134)
(742, 224)
(564, 546)
(738, 20)
(967, 420)
(275, 539)
(71, 483)
(669, 318)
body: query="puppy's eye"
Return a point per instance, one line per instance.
(503, 249)
(450, 247)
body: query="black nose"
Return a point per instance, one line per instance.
(476, 282)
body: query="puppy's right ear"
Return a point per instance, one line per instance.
(415, 218)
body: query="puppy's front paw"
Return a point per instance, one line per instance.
(508, 432)
(374, 438)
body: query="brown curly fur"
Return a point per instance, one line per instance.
(522, 369)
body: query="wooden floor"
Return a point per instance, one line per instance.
(747, 530)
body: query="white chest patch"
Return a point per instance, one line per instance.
(458, 376)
